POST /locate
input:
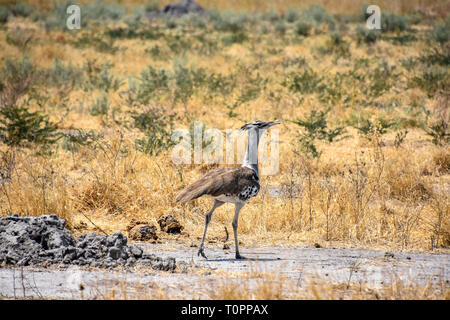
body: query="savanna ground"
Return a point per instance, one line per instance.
(87, 115)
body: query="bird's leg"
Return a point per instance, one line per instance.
(216, 204)
(238, 208)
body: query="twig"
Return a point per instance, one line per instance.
(94, 224)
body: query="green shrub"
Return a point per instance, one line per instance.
(106, 80)
(364, 35)
(19, 127)
(432, 79)
(280, 27)
(393, 22)
(441, 33)
(235, 37)
(101, 11)
(100, 107)
(157, 127)
(4, 14)
(60, 75)
(319, 15)
(291, 15)
(57, 17)
(371, 128)
(21, 9)
(229, 20)
(16, 78)
(303, 28)
(72, 141)
(305, 82)
(20, 38)
(440, 132)
(315, 127)
(337, 45)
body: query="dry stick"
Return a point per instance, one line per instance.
(226, 234)
(94, 224)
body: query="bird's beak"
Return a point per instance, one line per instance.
(274, 122)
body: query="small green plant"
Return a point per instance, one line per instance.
(4, 14)
(315, 127)
(157, 127)
(100, 107)
(72, 141)
(391, 22)
(364, 35)
(400, 138)
(20, 38)
(21, 128)
(306, 82)
(337, 45)
(106, 80)
(373, 128)
(440, 132)
(291, 15)
(64, 75)
(303, 28)
(21, 9)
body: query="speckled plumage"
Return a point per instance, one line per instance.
(231, 184)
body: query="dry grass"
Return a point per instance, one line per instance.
(358, 193)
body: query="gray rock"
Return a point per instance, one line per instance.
(45, 241)
(182, 8)
(114, 253)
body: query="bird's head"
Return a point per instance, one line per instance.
(260, 125)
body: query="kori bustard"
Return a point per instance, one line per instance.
(231, 184)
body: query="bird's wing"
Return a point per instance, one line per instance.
(218, 181)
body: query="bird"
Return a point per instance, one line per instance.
(235, 185)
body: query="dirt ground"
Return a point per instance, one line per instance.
(198, 278)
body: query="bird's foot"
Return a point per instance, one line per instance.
(200, 252)
(238, 256)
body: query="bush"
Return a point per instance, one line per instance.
(4, 14)
(21, 9)
(315, 127)
(61, 74)
(303, 28)
(363, 34)
(337, 45)
(157, 127)
(20, 38)
(370, 129)
(440, 133)
(72, 141)
(229, 20)
(393, 22)
(306, 82)
(441, 33)
(280, 27)
(291, 15)
(104, 12)
(105, 80)
(432, 79)
(16, 78)
(100, 107)
(19, 127)
(319, 15)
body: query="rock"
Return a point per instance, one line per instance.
(182, 8)
(135, 251)
(168, 264)
(45, 241)
(143, 232)
(169, 224)
(114, 253)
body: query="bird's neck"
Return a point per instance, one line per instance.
(251, 155)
